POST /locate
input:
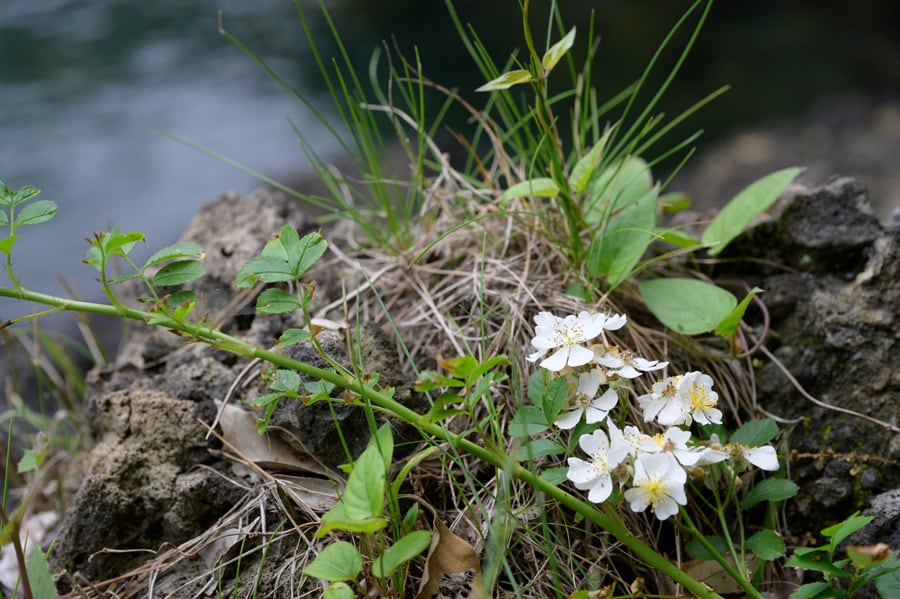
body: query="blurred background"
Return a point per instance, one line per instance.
(84, 83)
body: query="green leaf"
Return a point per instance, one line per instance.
(584, 168)
(814, 558)
(814, 590)
(4, 218)
(119, 243)
(291, 337)
(42, 583)
(688, 306)
(401, 552)
(36, 212)
(766, 544)
(303, 252)
(747, 204)
(174, 251)
(178, 273)
(506, 80)
(285, 380)
(770, 489)
(888, 579)
(339, 590)
(14, 197)
(696, 550)
(542, 187)
(6, 244)
(538, 447)
(528, 420)
(616, 250)
(755, 433)
(677, 238)
(553, 398)
(840, 531)
(338, 562)
(284, 258)
(277, 301)
(730, 323)
(556, 475)
(265, 269)
(31, 460)
(363, 500)
(619, 185)
(558, 50)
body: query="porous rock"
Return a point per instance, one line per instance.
(831, 276)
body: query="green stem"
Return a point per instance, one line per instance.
(728, 567)
(608, 521)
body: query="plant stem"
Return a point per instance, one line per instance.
(609, 521)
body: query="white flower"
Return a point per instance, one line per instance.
(628, 441)
(674, 442)
(763, 457)
(585, 402)
(594, 474)
(697, 389)
(625, 364)
(665, 403)
(659, 483)
(566, 336)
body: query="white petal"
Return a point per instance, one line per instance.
(557, 361)
(543, 342)
(610, 361)
(579, 356)
(568, 420)
(607, 401)
(648, 365)
(665, 508)
(536, 355)
(763, 458)
(628, 372)
(601, 490)
(595, 443)
(614, 323)
(580, 471)
(589, 382)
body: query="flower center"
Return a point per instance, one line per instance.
(700, 398)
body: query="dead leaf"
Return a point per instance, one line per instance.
(448, 554)
(317, 494)
(712, 574)
(267, 451)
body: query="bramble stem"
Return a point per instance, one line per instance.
(607, 521)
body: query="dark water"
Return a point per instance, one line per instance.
(83, 85)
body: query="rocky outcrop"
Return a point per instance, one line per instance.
(831, 275)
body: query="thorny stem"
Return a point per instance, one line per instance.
(608, 521)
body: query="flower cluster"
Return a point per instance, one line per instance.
(653, 468)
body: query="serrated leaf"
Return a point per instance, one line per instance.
(178, 273)
(338, 562)
(755, 433)
(401, 552)
(888, 580)
(766, 544)
(840, 531)
(730, 323)
(23, 194)
(558, 50)
(122, 278)
(120, 243)
(554, 397)
(688, 306)
(528, 420)
(541, 187)
(743, 207)
(696, 550)
(303, 252)
(277, 301)
(814, 590)
(506, 80)
(770, 489)
(4, 218)
(616, 249)
(291, 337)
(36, 212)
(285, 380)
(171, 252)
(813, 558)
(584, 168)
(556, 475)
